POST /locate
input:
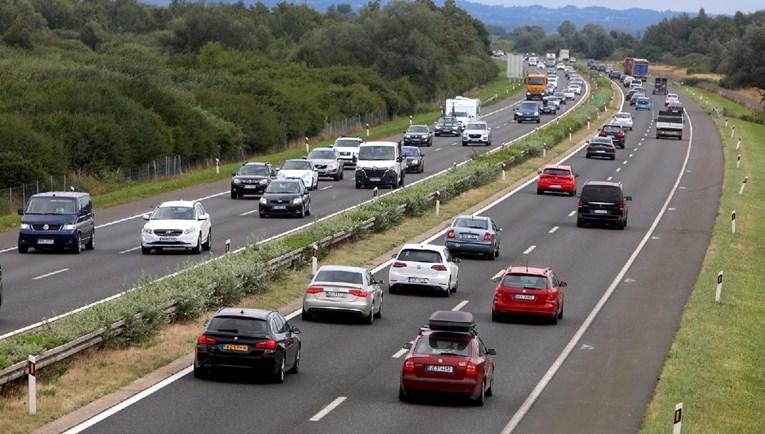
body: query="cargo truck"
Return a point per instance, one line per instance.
(536, 84)
(563, 55)
(637, 68)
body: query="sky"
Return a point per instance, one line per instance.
(710, 6)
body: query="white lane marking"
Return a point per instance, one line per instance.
(246, 213)
(132, 249)
(542, 384)
(399, 353)
(635, 149)
(437, 149)
(610, 178)
(682, 187)
(454, 144)
(325, 411)
(498, 275)
(618, 169)
(325, 188)
(673, 209)
(571, 214)
(138, 397)
(624, 162)
(53, 273)
(630, 156)
(552, 231)
(460, 305)
(530, 249)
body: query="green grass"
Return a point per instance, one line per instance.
(715, 365)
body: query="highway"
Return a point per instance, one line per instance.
(616, 358)
(43, 285)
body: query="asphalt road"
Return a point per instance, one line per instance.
(42, 285)
(342, 358)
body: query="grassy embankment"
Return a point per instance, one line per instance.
(715, 365)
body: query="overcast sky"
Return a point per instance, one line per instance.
(713, 7)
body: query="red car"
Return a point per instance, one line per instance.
(556, 178)
(528, 290)
(448, 357)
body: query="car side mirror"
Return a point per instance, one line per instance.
(628, 198)
(393, 256)
(563, 284)
(491, 352)
(332, 145)
(408, 346)
(20, 211)
(204, 217)
(315, 169)
(398, 159)
(576, 175)
(146, 216)
(456, 260)
(233, 173)
(311, 276)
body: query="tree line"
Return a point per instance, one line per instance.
(95, 85)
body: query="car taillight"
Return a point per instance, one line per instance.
(439, 267)
(581, 203)
(408, 365)
(487, 236)
(602, 133)
(266, 345)
(450, 234)
(621, 206)
(206, 340)
(621, 134)
(550, 297)
(358, 292)
(314, 290)
(471, 370)
(399, 264)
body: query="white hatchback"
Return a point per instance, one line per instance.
(623, 119)
(177, 225)
(424, 266)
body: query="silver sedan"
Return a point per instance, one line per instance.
(337, 288)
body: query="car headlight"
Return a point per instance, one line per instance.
(190, 230)
(69, 227)
(263, 181)
(148, 231)
(263, 200)
(296, 201)
(237, 181)
(331, 166)
(24, 226)
(536, 113)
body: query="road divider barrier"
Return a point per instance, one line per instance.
(226, 280)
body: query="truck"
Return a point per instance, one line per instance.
(660, 86)
(637, 68)
(669, 124)
(563, 55)
(536, 84)
(464, 109)
(550, 60)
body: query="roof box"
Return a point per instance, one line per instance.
(452, 321)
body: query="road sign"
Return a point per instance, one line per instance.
(515, 66)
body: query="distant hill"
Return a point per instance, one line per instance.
(633, 20)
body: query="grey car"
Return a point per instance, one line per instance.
(337, 288)
(327, 163)
(473, 234)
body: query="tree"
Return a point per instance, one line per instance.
(743, 64)
(19, 34)
(566, 30)
(92, 35)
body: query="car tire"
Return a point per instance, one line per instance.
(573, 193)
(422, 168)
(379, 311)
(401, 181)
(495, 316)
(402, 396)
(370, 319)
(234, 195)
(489, 391)
(358, 186)
(198, 248)
(481, 399)
(464, 143)
(554, 319)
(538, 120)
(540, 191)
(308, 210)
(306, 315)
(91, 244)
(278, 376)
(263, 215)
(296, 366)
(448, 290)
(145, 250)
(201, 373)
(207, 245)
(560, 314)
(392, 289)
(23, 249)
(579, 223)
(77, 245)
(456, 285)
(613, 158)
(302, 211)
(621, 226)
(587, 156)
(492, 256)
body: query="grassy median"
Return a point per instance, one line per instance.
(715, 365)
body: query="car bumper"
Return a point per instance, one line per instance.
(462, 387)
(329, 171)
(387, 178)
(564, 187)
(182, 241)
(413, 164)
(454, 132)
(47, 239)
(206, 359)
(245, 189)
(526, 118)
(475, 139)
(524, 308)
(608, 154)
(468, 247)
(415, 142)
(605, 218)
(277, 209)
(360, 306)
(399, 279)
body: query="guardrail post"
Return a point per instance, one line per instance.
(438, 203)
(228, 246)
(733, 222)
(307, 145)
(410, 119)
(677, 424)
(733, 131)
(544, 150)
(314, 258)
(32, 384)
(718, 288)
(569, 135)
(726, 122)
(743, 185)
(503, 171)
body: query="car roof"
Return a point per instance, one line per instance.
(528, 270)
(474, 217)
(255, 163)
(556, 166)
(603, 184)
(69, 194)
(261, 314)
(434, 247)
(359, 139)
(179, 203)
(379, 144)
(343, 268)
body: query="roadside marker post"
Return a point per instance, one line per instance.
(374, 192)
(217, 166)
(678, 420)
(738, 144)
(307, 145)
(733, 222)
(314, 258)
(367, 129)
(503, 172)
(544, 150)
(32, 383)
(738, 161)
(733, 131)
(228, 246)
(569, 134)
(743, 185)
(718, 289)
(410, 119)
(438, 203)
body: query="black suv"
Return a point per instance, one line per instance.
(251, 178)
(602, 202)
(418, 135)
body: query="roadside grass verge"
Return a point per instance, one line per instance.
(96, 373)
(715, 365)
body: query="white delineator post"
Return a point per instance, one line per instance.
(217, 166)
(718, 288)
(738, 161)
(410, 119)
(32, 386)
(743, 185)
(733, 131)
(677, 424)
(228, 245)
(367, 129)
(307, 145)
(503, 171)
(314, 259)
(374, 192)
(733, 222)
(738, 144)
(438, 203)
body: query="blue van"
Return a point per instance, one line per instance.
(57, 220)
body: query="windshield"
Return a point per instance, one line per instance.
(447, 121)
(410, 151)
(478, 126)
(173, 213)
(465, 222)
(347, 143)
(52, 205)
(643, 100)
(623, 116)
(676, 119)
(601, 193)
(557, 172)
(296, 165)
(444, 343)
(525, 281)
(324, 154)
(529, 106)
(254, 170)
(535, 80)
(238, 325)
(460, 114)
(339, 276)
(419, 129)
(283, 187)
(427, 256)
(377, 153)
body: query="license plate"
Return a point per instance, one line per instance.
(440, 368)
(167, 238)
(250, 187)
(374, 179)
(331, 294)
(44, 241)
(600, 151)
(417, 280)
(469, 236)
(280, 206)
(555, 186)
(524, 297)
(600, 211)
(237, 348)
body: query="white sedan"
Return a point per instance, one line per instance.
(569, 93)
(177, 225)
(623, 119)
(424, 266)
(576, 88)
(300, 169)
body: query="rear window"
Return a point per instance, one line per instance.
(427, 256)
(529, 106)
(677, 119)
(238, 325)
(410, 152)
(601, 193)
(525, 281)
(339, 276)
(612, 128)
(418, 129)
(471, 223)
(443, 344)
(324, 154)
(557, 172)
(623, 115)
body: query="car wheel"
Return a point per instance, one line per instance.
(579, 223)
(379, 311)
(358, 186)
(540, 191)
(308, 210)
(207, 246)
(621, 226)
(560, 314)
(302, 211)
(494, 316)
(481, 399)
(233, 195)
(342, 175)
(306, 315)
(573, 192)
(145, 250)
(370, 319)
(392, 289)
(263, 215)
(493, 255)
(554, 319)
(422, 168)
(278, 376)
(201, 373)
(447, 292)
(401, 181)
(91, 244)
(464, 143)
(23, 249)
(489, 391)
(77, 245)
(296, 366)
(538, 120)
(456, 284)
(402, 396)
(198, 248)
(613, 158)
(587, 156)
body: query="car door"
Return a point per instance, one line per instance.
(306, 195)
(497, 233)
(558, 289)
(376, 290)
(453, 268)
(286, 335)
(87, 207)
(201, 224)
(485, 362)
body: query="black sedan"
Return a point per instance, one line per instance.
(248, 338)
(601, 147)
(285, 197)
(251, 178)
(418, 135)
(414, 158)
(447, 126)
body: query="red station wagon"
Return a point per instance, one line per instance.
(530, 291)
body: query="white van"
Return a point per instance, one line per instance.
(380, 163)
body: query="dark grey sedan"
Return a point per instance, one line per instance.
(473, 235)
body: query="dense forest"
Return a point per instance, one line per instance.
(733, 45)
(92, 85)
